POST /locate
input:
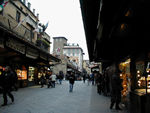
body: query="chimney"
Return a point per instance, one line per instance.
(34, 11)
(29, 5)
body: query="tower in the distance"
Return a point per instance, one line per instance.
(58, 45)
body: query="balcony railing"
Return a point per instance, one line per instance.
(24, 33)
(46, 36)
(10, 24)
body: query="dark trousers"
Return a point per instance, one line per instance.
(99, 88)
(5, 93)
(115, 99)
(53, 83)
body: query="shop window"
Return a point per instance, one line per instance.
(143, 77)
(125, 76)
(22, 74)
(31, 74)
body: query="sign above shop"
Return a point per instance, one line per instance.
(32, 53)
(16, 45)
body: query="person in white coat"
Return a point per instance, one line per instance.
(53, 79)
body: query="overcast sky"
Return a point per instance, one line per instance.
(64, 18)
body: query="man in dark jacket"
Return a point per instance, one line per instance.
(14, 79)
(71, 81)
(99, 83)
(116, 86)
(6, 78)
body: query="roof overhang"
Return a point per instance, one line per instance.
(115, 29)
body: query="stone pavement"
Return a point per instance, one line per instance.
(83, 99)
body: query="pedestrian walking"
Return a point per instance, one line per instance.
(53, 79)
(99, 81)
(116, 88)
(84, 77)
(89, 79)
(6, 79)
(47, 77)
(71, 81)
(49, 82)
(14, 80)
(42, 79)
(92, 78)
(60, 77)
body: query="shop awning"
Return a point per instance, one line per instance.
(11, 46)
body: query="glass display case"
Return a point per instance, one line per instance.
(31, 73)
(22, 74)
(143, 78)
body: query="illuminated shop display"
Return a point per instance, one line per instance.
(31, 73)
(125, 76)
(143, 79)
(22, 73)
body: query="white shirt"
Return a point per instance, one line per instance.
(53, 77)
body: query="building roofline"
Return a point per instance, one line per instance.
(73, 47)
(60, 37)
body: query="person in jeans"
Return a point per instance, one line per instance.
(53, 80)
(71, 81)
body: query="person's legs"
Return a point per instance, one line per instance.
(71, 88)
(15, 86)
(4, 97)
(113, 101)
(60, 80)
(41, 85)
(11, 96)
(117, 104)
(98, 89)
(54, 83)
(112, 104)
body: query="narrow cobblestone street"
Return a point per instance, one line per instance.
(83, 99)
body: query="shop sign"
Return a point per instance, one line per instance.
(1, 42)
(16, 45)
(32, 53)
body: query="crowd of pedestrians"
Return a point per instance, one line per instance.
(108, 83)
(51, 79)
